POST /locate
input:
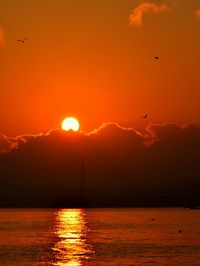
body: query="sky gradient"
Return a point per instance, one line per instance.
(94, 60)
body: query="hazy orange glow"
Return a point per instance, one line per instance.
(82, 58)
(70, 123)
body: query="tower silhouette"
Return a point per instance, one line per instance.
(83, 181)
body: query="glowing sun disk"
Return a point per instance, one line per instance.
(70, 123)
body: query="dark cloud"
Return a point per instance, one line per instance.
(5, 144)
(158, 167)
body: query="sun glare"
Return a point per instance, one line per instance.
(70, 123)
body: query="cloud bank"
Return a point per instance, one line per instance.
(5, 144)
(137, 15)
(160, 166)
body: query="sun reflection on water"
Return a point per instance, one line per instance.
(71, 247)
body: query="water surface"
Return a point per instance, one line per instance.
(76, 237)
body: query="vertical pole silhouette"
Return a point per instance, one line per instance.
(82, 181)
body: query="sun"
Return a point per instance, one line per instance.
(70, 123)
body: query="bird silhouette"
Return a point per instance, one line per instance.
(22, 40)
(156, 57)
(145, 116)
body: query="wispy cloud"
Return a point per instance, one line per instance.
(2, 37)
(137, 15)
(197, 12)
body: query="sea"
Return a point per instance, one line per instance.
(75, 237)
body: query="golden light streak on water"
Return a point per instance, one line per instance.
(71, 230)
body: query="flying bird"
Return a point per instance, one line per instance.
(145, 116)
(22, 40)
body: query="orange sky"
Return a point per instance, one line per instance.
(85, 59)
